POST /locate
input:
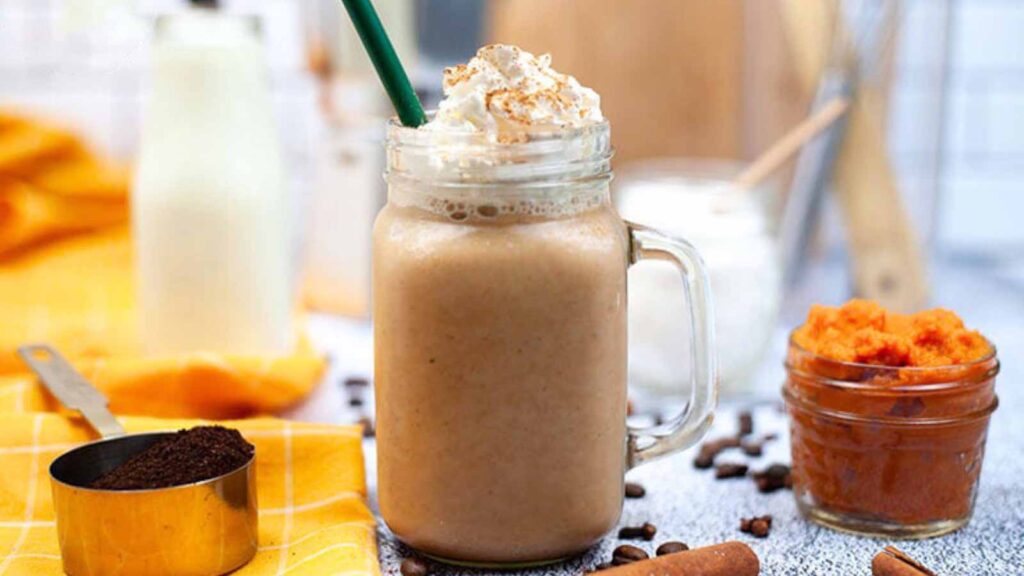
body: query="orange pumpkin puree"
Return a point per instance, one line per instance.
(888, 414)
(863, 332)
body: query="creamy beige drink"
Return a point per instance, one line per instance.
(508, 440)
(500, 322)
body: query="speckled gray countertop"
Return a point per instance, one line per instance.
(690, 505)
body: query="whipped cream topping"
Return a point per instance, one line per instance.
(507, 93)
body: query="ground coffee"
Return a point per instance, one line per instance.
(188, 456)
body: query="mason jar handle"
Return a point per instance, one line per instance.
(686, 429)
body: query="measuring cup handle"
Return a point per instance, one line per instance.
(71, 388)
(685, 430)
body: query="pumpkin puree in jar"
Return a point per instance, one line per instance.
(888, 414)
(863, 332)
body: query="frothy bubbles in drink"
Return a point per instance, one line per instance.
(485, 208)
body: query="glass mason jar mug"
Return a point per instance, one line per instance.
(499, 289)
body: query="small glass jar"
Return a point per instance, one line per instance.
(347, 193)
(733, 228)
(887, 451)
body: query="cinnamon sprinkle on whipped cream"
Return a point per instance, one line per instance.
(508, 93)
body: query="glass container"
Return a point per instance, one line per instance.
(210, 209)
(500, 345)
(887, 451)
(733, 228)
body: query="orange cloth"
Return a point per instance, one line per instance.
(66, 279)
(51, 185)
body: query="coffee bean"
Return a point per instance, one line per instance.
(728, 442)
(631, 533)
(355, 401)
(626, 554)
(711, 449)
(634, 490)
(758, 526)
(599, 567)
(753, 449)
(368, 429)
(356, 381)
(704, 460)
(773, 478)
(645, 532)
(746, 423)
(671, 548)
(414, 567)
(731, 470)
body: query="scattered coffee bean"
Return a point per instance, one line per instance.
(631, 533)
(730, 470)
(645, 532)
(728, 442)
(758, 526)
(752, 447)
(599, 567)
(414, 567)
(629, 408)
(746, 421)
(709, 450)
(671, 548)
(368, 429)
(704, 460)
(773, 478)
(356, 381)
(634, 490)
(627, 554)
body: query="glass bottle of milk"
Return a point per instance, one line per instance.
(209, 206)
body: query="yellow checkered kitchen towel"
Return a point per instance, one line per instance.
(313, 517)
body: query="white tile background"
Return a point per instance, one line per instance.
(982, 197)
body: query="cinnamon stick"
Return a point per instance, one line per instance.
(728, 559)
(894, 562)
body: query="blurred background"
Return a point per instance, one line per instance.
(915, 183)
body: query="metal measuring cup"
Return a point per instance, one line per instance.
(201, 529)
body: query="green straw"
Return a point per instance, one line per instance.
(385, 60)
